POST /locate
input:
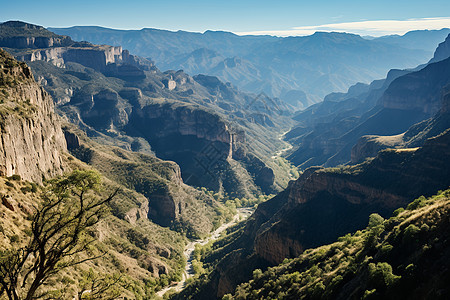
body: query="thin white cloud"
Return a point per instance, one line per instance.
(373, 28)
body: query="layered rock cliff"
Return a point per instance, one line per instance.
(16, 34)
(198, 122)
(34, 43)
(200, 141)
(369, 145)
(419, 91)
(31, 136)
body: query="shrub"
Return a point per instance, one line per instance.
(410, 232)
(418, 203)
(375, 220)
(15, 177)
(14, 238)
(398, 211)
(381, 276)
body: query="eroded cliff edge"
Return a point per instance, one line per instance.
(31, 137)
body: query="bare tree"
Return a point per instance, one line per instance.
(70, 205)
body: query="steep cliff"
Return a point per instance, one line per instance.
(34, 43)
(415, 136)
(204, 142)
(130, 241)
(419, 91)
(31, 136)
(222, 138)
(16, 34)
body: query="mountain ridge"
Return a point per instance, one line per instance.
(274, 79)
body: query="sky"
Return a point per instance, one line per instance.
(282, 17)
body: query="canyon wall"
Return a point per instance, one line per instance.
(31, 137)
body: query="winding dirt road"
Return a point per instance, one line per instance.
(242, 214)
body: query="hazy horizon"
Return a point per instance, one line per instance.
(284, 18)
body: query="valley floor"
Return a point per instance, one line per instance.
(286, 148)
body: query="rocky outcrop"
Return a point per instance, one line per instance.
(11, 36)
(168, 113)
(198, 140)
(72, 140)
(163, 197)
(416, 135)
(31, 137)
(169, 84)
(95, 57)
(419, 91)
(40, 44)
(370, 145)
(103, 109)
(389, 108)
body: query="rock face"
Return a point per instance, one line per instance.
(164, 199)
(107, 91)
(95, 57)
(324, 204)
(419, 91)
(199, 141)
(40, 44)
(31, 136)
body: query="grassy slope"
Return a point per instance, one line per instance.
(148, 175)
(147, 256)
(404, 257)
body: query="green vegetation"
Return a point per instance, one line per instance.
(401, 257)
(69, 208)
(148, 257)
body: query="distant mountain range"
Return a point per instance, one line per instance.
(299, 70)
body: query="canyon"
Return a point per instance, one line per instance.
(187, 151)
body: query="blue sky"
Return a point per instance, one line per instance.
(257, 17)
